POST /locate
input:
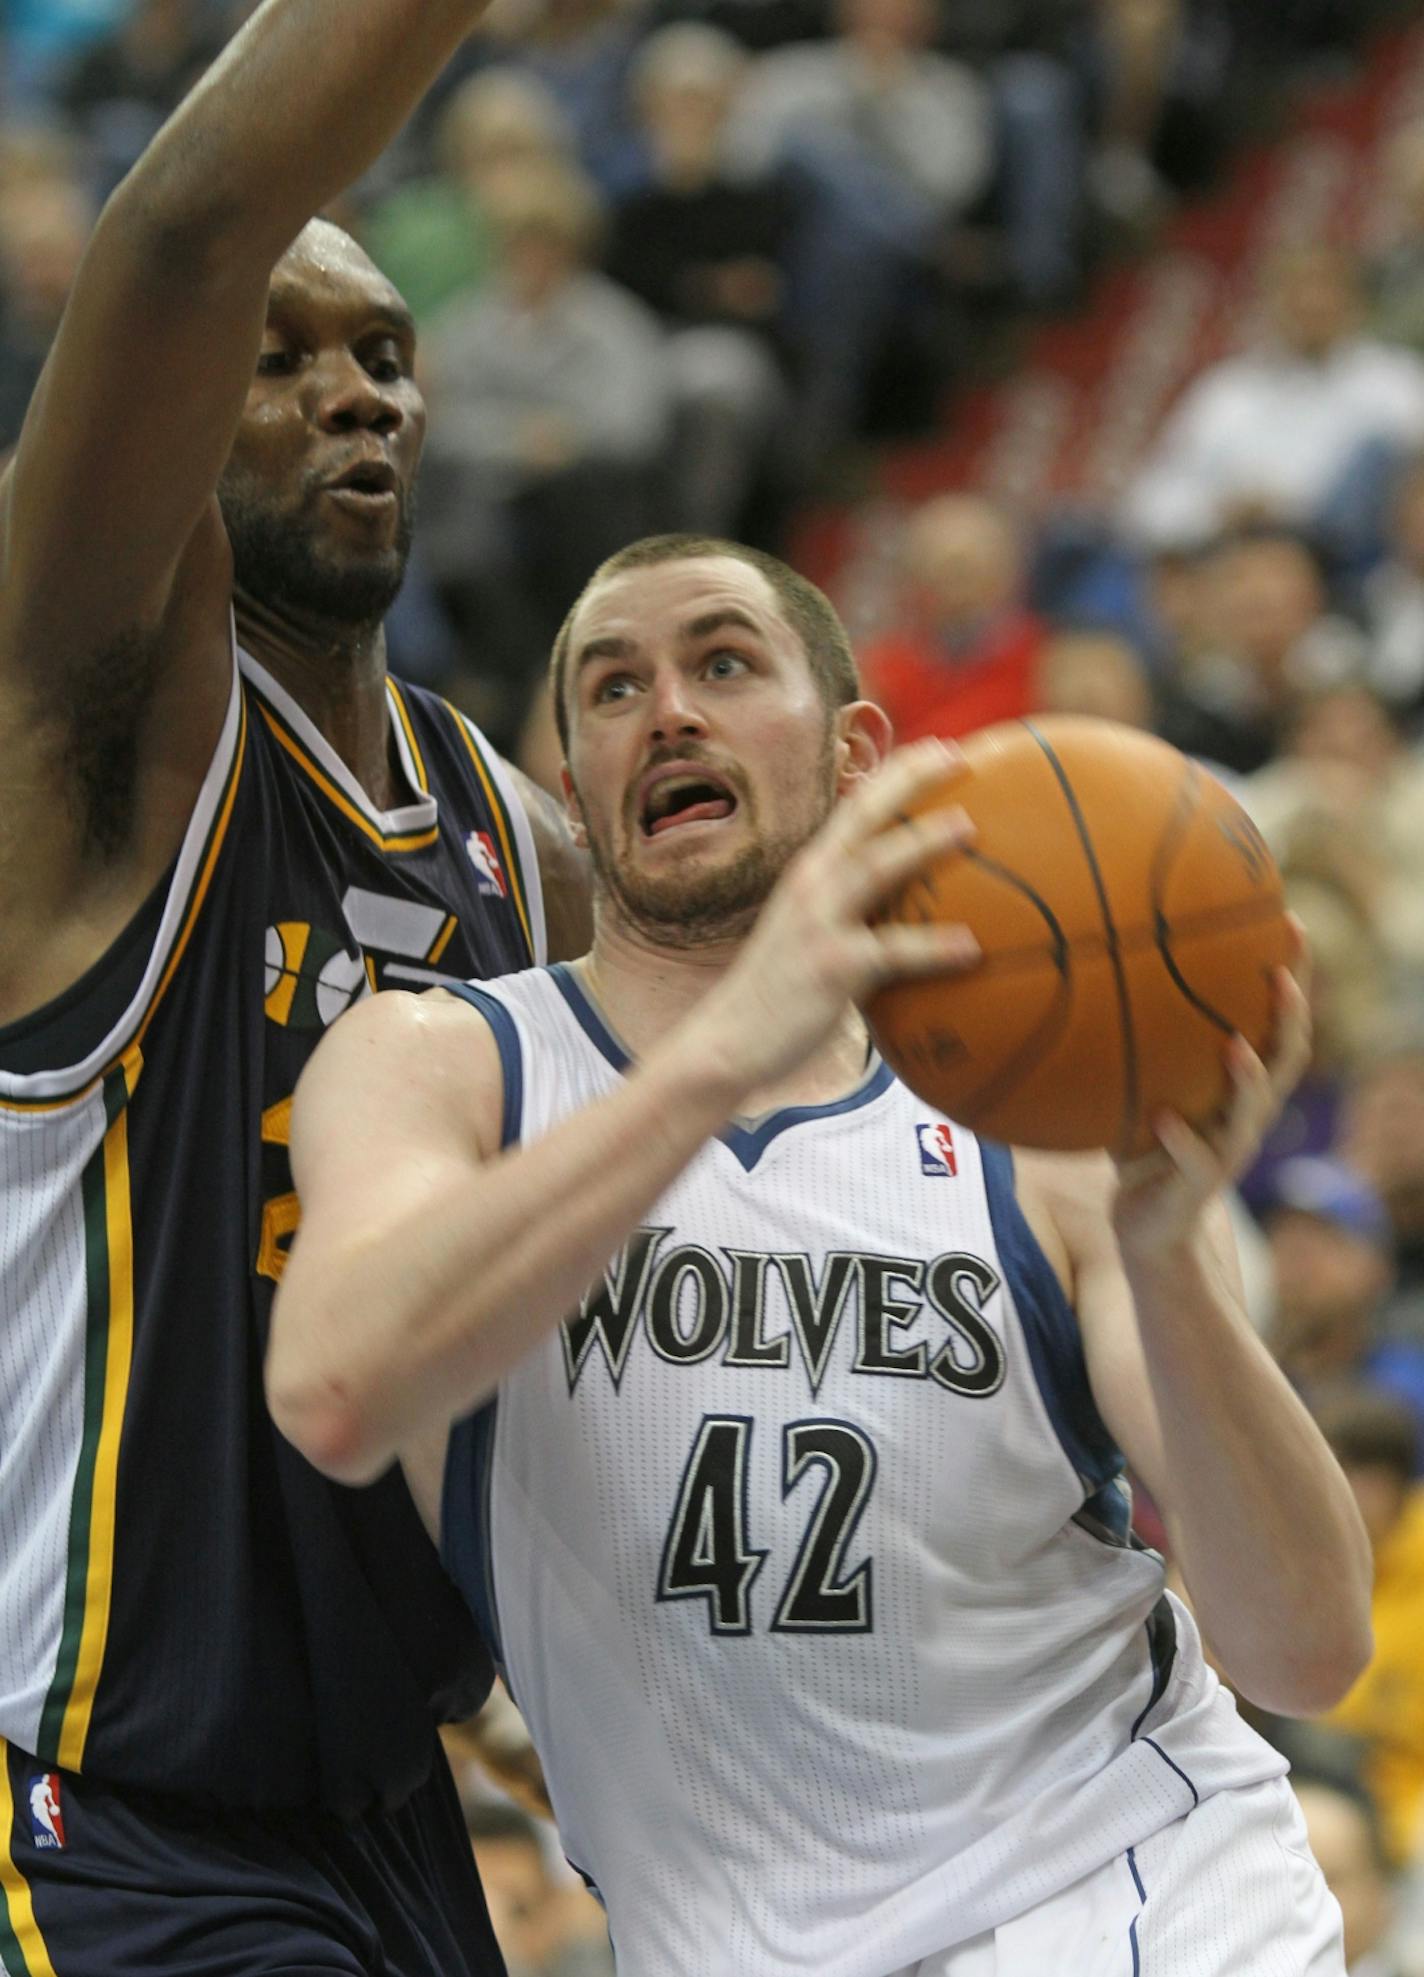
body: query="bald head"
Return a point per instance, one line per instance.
(964, 556)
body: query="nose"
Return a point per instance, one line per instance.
(672, 706)
(351, 400)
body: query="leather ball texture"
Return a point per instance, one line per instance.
(1131, 919)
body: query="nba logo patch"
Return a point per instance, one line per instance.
(937, 1151)
(489, 873)
(46, 1818)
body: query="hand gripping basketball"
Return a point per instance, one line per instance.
(1161, 1195)
(813, 951)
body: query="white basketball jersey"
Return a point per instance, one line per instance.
(806, 1551)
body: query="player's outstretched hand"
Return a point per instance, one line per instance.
(1161, 1197)
(813, 950)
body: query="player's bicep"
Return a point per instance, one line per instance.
(397, 1101)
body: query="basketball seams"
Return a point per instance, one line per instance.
(1130, 1072)
(1169, 936)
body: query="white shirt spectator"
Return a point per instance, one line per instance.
(927, 120)
(1275, 428)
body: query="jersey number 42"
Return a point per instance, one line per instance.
(708, 1553)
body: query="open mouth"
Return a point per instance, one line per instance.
(368, 480)
(691, 797)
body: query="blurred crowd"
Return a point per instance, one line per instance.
(677, 264)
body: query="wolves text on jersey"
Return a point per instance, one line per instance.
(771, 1308)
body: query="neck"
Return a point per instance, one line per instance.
(338, 679)
(645, 990)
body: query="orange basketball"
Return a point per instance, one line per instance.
(1130, 916)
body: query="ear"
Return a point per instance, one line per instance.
(864, 737)
(573, 809)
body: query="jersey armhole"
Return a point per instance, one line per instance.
(511, 1056)
(1050, 1329)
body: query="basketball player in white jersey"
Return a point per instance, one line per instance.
(796, 1508)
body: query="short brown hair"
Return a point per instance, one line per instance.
(807, 610)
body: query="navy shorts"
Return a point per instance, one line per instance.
(98, 1883)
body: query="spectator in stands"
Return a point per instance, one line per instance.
(1098, 673)
(1394, 600)
(1383, 1136)
(1347, 1004)
(915, 128)
(582, 51)
(122, 87)
(434, 237)
(1331, 1248)
(1030, 54)
(1302, 429)
(1396, 274)
(1266, 632)
(1375, 1441)
(1345, 800)
(1345, 1838)
(545, 1928)
(707, 249)
(45, 217)
(968, 650)
(549, 419)
(896, 144)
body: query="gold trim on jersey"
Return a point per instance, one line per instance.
(411, 841)
(19, 1904)
(408, 729)
(196, 897)
(499, 815)
(89, 1577)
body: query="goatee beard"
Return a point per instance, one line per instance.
(277, 562)
(680, 912)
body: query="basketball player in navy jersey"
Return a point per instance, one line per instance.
(796, 1509)
(221, 1676)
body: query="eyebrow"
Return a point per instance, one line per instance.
(613, 647)
(389, 313)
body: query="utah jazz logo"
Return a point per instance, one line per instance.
(313, 975)
(311, 978)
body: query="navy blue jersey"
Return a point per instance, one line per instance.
(186, 1606)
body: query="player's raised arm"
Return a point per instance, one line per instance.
(1263, 1523)
(134, 416)
(429, 1260)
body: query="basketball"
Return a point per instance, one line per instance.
(1130, 916)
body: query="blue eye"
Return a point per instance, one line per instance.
(615, 687)
(726, 664)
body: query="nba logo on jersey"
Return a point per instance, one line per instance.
(46, 1819)
(489, 873)
(937, 1151)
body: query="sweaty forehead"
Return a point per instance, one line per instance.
(657, 599)
(325, 268)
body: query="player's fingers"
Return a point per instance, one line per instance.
(1193, 1156)
(880, 866)
(1291, 1044)
(902, 952)
(1254, 1104)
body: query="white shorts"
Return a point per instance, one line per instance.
(1231, 1890)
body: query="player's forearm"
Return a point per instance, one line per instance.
(298, 105)
(1270, 1542)
(407, 1323)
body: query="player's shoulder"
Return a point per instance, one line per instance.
(410, 1066)
(399, 1042)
